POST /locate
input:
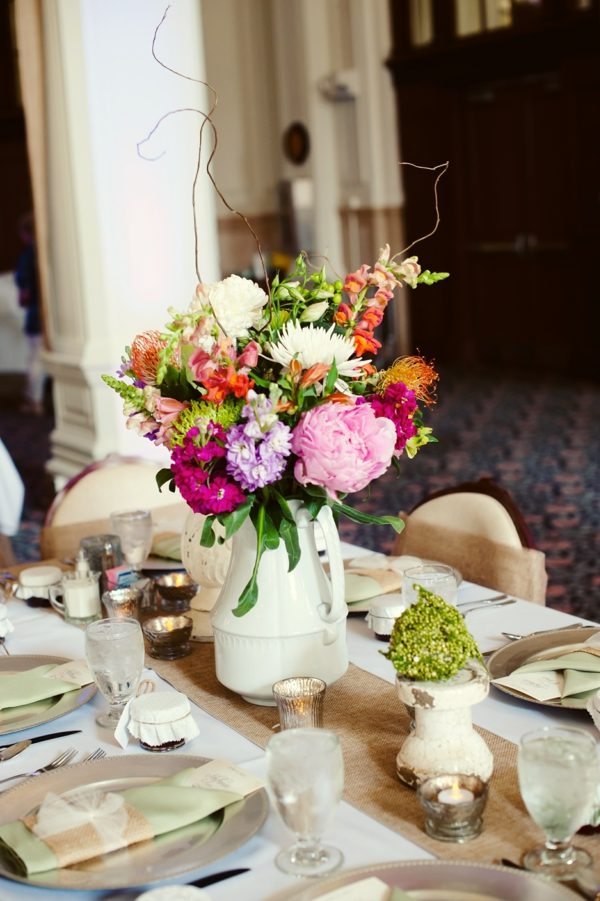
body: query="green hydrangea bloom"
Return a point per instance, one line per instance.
(201, 412)
(430, 641)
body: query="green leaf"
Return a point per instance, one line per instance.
(247, 599)
(359, 516)
(285, 507)
(162, 477)
(289, 532)
(313, 506)
(332, 377)
(249, 595)
(234, 520)
(271, 534)
(207, 539)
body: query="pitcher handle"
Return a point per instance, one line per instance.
(337, 609)
(53, 594)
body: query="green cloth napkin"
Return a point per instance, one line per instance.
(18, 689)
(580, 671)
(167, 544)
(167, 805)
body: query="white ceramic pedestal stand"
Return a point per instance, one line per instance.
(443, 740)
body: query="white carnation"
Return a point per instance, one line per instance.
(237, 304)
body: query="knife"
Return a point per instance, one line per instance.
(8, 751)
(218, 877)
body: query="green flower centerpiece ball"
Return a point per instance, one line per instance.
(430, 641)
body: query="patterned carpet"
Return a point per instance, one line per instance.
(538, 440)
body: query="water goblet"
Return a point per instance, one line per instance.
(435, 577)
(558, 775)
(134, 528)
(114, 649)
(305, 774)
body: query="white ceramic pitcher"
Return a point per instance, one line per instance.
(298, 625)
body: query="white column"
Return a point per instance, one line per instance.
(302, 58)
(121, 228)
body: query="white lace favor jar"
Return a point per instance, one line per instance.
(162, 720)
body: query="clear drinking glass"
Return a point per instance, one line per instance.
(436, 577)
(134, 528)
(114, 649)
(558, 775)
(305, 773)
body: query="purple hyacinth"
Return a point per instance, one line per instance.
(256, 461)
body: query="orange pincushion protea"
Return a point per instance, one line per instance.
(416, 373)
(145, 351)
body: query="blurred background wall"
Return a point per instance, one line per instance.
(319, 100)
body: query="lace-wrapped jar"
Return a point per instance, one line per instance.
(162, 721)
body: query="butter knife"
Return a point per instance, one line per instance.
(218, 877)
(8, 751)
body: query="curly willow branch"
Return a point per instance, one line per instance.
(444, 168)
(207, 119)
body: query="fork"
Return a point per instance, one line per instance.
(63, 758)
(98, 754)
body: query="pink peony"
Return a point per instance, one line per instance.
(342, 447)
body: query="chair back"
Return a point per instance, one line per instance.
(477, 528)
(84, 505)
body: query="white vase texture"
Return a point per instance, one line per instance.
(298, 625)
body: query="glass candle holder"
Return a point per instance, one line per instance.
(168, 636)
(122, 602)
(175, 592)
(300, 702)
(453, 806)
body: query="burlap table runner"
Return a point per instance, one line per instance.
(371, 723)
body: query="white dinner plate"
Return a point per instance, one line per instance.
(441, 880)
(14, 719)
(168, 856)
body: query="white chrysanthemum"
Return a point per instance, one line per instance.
(237, 303)
(313, 344)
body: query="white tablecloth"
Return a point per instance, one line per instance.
(362, 839)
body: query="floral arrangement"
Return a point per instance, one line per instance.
(430, 641)
(262, 398)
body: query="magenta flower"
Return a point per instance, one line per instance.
(199, 472)
(397, 403)
(342, 447)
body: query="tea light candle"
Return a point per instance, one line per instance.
(455, 795)
(453, 805)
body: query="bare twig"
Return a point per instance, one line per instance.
(443, 167)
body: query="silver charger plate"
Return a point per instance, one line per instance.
(14, 719)
(168, 856)
(506, 660)
(440, 880)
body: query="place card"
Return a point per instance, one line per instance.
(225, 776)
(543, 686)
(75, 671)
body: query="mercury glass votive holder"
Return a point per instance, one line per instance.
(300, 702)
(168, 636)
(123, 603)
(175, 592)
(453, 806)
